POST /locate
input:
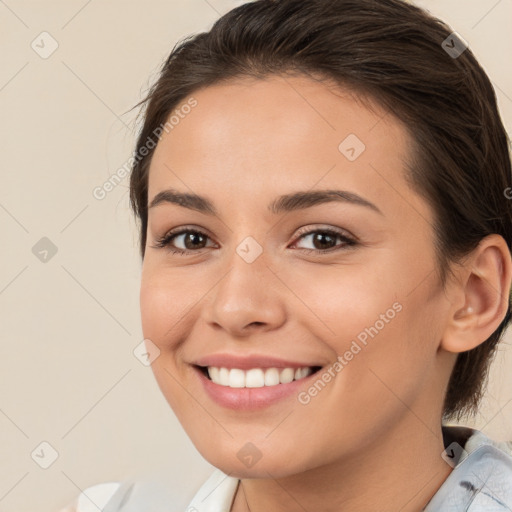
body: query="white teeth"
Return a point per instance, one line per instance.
(286, 375)
(213, 372)
(256, 377)
(300, 373)
(271, 377)
(223, 376)
(236, 378)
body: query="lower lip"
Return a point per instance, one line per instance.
(250, 398)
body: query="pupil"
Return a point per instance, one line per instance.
(192, 238)
(323, 236)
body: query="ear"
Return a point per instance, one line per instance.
(481, 296)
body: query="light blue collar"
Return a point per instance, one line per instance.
(481, 480)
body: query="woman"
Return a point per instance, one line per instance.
(325, 235)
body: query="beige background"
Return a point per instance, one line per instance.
(69, 326)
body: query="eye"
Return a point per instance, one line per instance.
(192, 239)
(324, 240)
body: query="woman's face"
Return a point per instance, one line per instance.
(317, 281)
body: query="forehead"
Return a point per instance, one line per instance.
(250, 138)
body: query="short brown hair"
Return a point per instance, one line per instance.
(392, 52)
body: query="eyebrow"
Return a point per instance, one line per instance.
(285, 203)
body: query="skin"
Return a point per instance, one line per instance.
(371, 439)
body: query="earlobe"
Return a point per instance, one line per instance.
(485, 289)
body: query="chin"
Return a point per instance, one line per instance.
(265, 467)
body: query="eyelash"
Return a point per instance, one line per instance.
(165, 241)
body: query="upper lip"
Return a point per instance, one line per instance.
(248, 362)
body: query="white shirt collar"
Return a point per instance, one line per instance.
(216, 494)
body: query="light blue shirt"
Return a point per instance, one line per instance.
(481, 481)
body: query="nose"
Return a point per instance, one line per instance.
(248, 297)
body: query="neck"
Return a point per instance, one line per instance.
(400, 471)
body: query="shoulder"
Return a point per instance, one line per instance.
(481, 479)
(97, 496)
(150, 493)
(217, 493)
(93, 498)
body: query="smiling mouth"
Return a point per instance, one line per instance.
(255, 377)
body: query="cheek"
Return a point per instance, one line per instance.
(388, 366)
(376, 327)
(154, 310)
(164, 305)
(343, 304)
(161, 311)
